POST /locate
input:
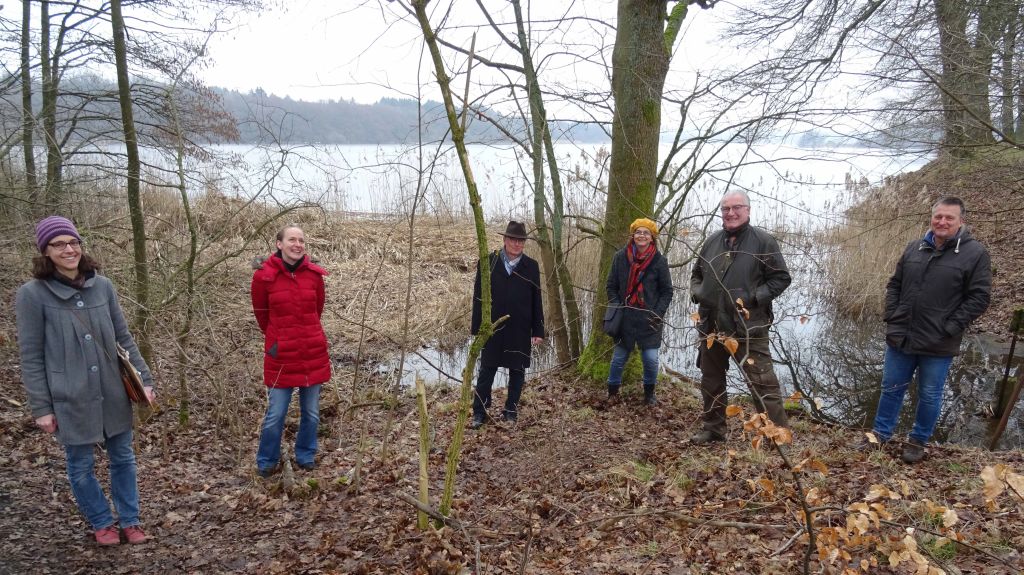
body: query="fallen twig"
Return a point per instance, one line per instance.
(789, 543)
(608, 522)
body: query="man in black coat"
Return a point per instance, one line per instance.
(515, 292)
(739, 263)
(942, 283)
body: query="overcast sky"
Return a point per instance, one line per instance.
(325, 49)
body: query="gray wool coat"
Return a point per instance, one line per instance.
(69, 360)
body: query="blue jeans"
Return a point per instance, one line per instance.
(648, 357)
(269, 453)
(124, 489)
(896, 375)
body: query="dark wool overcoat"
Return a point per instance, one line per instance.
(753, 270)
(288, 306)
(517, 295)
(69, 362)
(641, 327)
(935, 294)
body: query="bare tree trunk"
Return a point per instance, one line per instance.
(565, 280)
(640, 62)
(486, 325)
(1007, 81)
(553, 294)
(991, 17)
(135, 212)
(27, 119)
(185, 332)
(50, 71)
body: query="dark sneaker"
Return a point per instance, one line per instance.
(265, 473)
(704, 437)
(508, 417)
(306, 466)
(650, 400)
(477, 422)
(135, 535)
(913, 451)
(108, 536)
(865, 445)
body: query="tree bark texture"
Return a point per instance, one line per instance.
(966, 71)
(50, 71)
(640, 62)
(27, 119)
(557, 331)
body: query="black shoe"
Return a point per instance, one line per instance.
(913, 451)
(705, 437)
(865, 445)
(306, 466)
(265, 473)
(649, 399)
(477, 422)
(508, 417)
(613, 391)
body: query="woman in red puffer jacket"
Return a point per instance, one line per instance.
(288, 300)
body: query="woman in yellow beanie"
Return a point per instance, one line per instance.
(640, 287)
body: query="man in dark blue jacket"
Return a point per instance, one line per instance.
(942, 283)
(515, 292)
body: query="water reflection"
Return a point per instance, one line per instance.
(834, 362)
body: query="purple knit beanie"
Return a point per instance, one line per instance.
(51, 227)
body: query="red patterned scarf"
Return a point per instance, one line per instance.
(638, 263)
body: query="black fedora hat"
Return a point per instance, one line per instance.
(515, 230)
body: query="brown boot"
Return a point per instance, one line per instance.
(913, 451)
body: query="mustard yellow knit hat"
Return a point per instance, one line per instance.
(644, 223)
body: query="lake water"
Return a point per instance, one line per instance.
(795, 192)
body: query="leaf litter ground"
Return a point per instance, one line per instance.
(576, 487)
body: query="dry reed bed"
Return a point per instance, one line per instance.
(886, 218)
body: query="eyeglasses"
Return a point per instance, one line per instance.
(59, 246)
(641, 233)
(727, 209)
(516, 240)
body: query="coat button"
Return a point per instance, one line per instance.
(94, 369)
(80, 304)
(77, 296)
(88, 337)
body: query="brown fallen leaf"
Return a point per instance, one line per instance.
(731, 344)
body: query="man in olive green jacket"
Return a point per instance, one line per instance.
(737, 275)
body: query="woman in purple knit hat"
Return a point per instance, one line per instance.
(69, 325)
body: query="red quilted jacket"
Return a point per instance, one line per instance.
(288, 307)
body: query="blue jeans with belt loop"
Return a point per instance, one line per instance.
(124, 488)
(269, 453)
(896, 375)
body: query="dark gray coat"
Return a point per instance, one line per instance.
(641, 327)
(753, 271)
(69, 361)
(935, 293)
(519, 297)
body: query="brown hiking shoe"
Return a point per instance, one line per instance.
(913, 451)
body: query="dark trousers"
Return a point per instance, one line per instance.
(482, 397)
(714, 363)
